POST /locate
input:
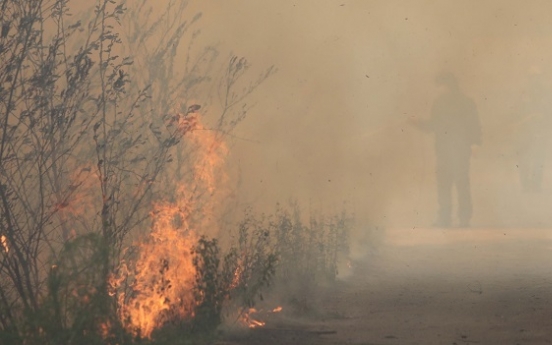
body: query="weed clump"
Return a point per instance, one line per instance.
(308, 251)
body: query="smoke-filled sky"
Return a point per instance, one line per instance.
(331, 124)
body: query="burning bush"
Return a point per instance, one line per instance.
(91, 139)
(110, 181)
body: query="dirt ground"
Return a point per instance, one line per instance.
(433, 286)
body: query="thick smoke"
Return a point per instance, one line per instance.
(332, 124)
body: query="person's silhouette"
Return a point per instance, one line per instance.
(455, 123)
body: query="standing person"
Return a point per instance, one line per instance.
(455, 124)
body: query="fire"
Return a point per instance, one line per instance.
(250, 321)
(163, 281)
(255, 323)
(161, 277)
(237, 277)
(206, 169)
(4, 243)
(252, 317)
(105, 329)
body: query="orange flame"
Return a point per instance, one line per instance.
(255, 323)
(249, 321)
(252, 317)
(4, 243)
(163, 282)
(105, 329)
(237, 276)
(162, 276)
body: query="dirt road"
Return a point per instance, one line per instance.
(433, 286)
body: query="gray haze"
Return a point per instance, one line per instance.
(335, 127)
(331, 125)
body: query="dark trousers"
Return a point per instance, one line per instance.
(454, 171)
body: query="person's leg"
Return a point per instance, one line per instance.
(463, 188)
(444, 195)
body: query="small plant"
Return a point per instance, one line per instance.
(308, 255)
(76, 310)
(89, 141)
(234, 280)
(193, 309)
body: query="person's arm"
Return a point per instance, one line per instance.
(425, 125)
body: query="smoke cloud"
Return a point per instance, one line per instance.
(332, 124)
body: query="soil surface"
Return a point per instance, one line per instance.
(432, 286)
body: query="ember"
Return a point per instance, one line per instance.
(249, 321)
(4, 243)
(252, 318)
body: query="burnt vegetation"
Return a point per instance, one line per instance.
(95, 109)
